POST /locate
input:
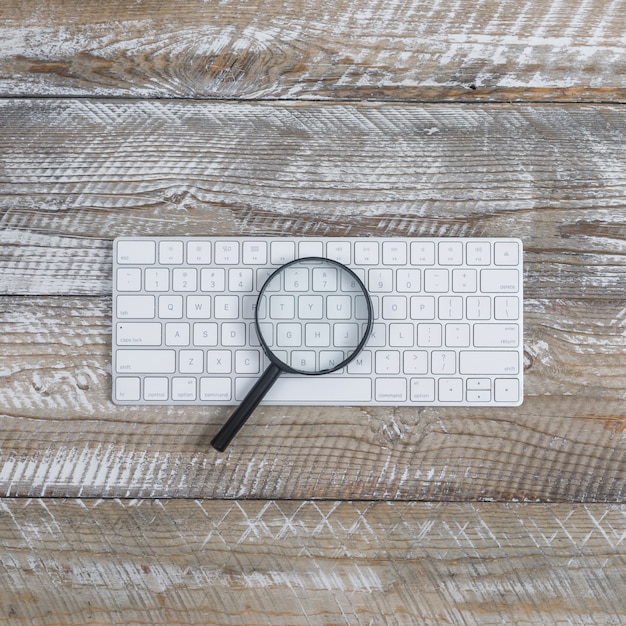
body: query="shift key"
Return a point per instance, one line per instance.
(485, 362)
(146, 361)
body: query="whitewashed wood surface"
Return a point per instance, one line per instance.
(356, 49)
(357, 117)
(183, 561)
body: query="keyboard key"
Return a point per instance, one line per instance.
(506, 307)
(170, 307)
(128, 279)
(415, 362)
(494, 281)
(339, 251)
(156, 389)
(128, 389)
(324, 279)
(361, 364)
(478, 384)
(177, 334)
(205, 334)
(436, 281)
(394, 308)
(233, 334)
(339, 307)
(146, 361)
(157, 279)
(248, 304)
(451, 307)
(496, 335)
(458, 335)
(330, 359)
(216, 389)
(296, 279)
(401, 335)
(310, 307)
(198, 252)
(443, 362)
(212, 280)
(464, 281)
(247, 362)
(310, 249)
(450, 253)
(171, 252)
(282, 252)
(390, 390)
(422, 308)
(346, 335)
(304, 360)
(478, 253)
(422, 253)
(240, 280)
(138, 334)
(184, 389)
(226, 307)
(408, 281)
(136, 252)
(488, 362)
(507, 390)
(314, 389)
(184, 279)
(506, 253)
(377, 338)
(429, 335)
(227, 252)
(219, 361)
(191, 361)
(380, 281)
(476, 395)
(254, 252)
(282, 307)
(387, 362)
(422, 390)
(478, 308)
(349, 283)
(366, 253)
(450, 390)
(198, 307)
(288, 335)
(394, 253)
(135, 307)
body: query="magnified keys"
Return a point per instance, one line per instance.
(313, 316)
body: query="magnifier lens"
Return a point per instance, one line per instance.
(313, 316)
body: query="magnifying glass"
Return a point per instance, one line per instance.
(313, 316)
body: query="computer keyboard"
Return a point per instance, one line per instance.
(448, 321)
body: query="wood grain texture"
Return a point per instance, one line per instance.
(349, 49)
(205, 562)
(61, 436)
(73, 174)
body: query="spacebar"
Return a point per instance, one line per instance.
(311, 390)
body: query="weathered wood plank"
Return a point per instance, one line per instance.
(382, 49)
(174, 562)
(60, 435)
(76, 173)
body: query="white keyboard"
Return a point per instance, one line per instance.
(448, 321)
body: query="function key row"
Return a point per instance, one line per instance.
(362, 252)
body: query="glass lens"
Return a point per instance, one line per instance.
(313, 316)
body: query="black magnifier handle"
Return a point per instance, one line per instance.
(248, 404)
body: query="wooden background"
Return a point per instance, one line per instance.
(307, 117)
